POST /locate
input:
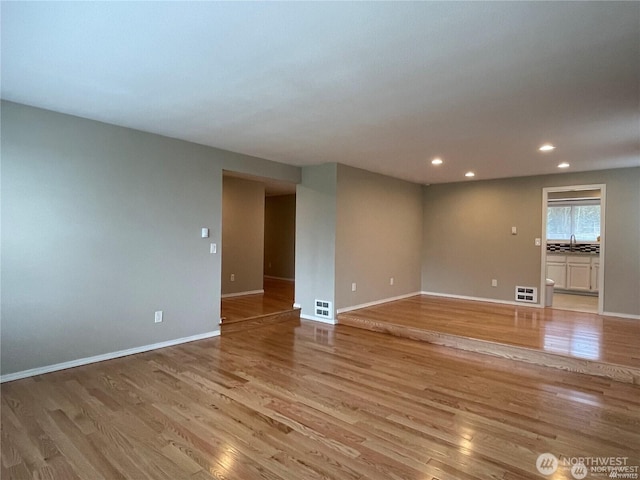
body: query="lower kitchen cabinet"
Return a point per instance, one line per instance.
(574, 272)
(579, 276)
(558, 273)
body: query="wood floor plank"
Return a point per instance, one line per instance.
(72, 449)
(277, 297)
(576, 334)
(301, 400)
(568, 340)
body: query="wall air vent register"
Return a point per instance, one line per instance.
(527, 294)
(323, 309)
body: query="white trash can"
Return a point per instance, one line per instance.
(548, 294)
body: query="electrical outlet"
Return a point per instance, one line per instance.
(158, 317)
(391, 280)
(233, 277)
(213, 248)
(494, 282)
(353, 287)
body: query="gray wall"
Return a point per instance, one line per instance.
(100, 228)
(280, 236)
(378, 236)
(242, 235)
(468, 241)
(315, 236)
(355, 226)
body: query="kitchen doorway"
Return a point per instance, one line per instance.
(573, 247)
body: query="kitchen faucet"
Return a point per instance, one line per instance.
(572, 242)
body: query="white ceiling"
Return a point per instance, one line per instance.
(384, 86)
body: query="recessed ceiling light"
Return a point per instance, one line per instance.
(563, 165)
(469, 174)
(547, 147)
(436, 161)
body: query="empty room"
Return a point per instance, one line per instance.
(320, 240)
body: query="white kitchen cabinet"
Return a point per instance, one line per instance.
(557, 270)
(579, 276)
(595, 274)
(574, 272)
(578, 273)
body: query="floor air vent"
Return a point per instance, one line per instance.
(527, 294)
(323, 309)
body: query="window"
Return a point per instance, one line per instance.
(579, 218)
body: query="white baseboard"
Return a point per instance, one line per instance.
(483, 299)
(280, 278)
(241, 294)
(105, 356)
(621, 315)
(318, 319)
(377, 302)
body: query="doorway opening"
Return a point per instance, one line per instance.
(573, 220)
(258, 248)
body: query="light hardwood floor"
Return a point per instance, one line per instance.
(277, 297)
(301, 400)
(579, 335)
